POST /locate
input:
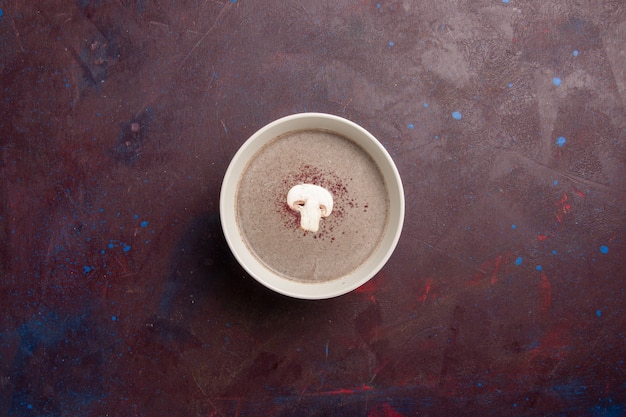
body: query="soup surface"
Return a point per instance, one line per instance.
(345, 239)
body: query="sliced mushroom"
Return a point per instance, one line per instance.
(313, 202)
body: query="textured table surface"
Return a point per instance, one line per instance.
(506, 293)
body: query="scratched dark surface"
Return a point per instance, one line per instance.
(505, 296)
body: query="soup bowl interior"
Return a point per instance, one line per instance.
(237, 242)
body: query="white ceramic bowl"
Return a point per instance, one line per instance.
(256, 268)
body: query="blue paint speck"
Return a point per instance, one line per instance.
(505, 1)
(518, 261)
(411, 126)
(86, 268)
(575, 53)
(135, 216)
(425, 105)
(510, 85)
(554, 252)
(144, 223)
(127, 248)
(29, 406)
(604, 249)
(556, 81)
(233, 1)
(1, 13)
(113, 318)
(555, 182)
(457, 115)
(378, 5)
(539, 268)
(534, 345)
(111, 245)
(436, 136)
(561, 141)
(513, 226)
(480, 384)
(599, 313)
(391, 43)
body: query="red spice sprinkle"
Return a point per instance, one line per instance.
(327, 179)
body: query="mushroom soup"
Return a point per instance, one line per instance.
(310, 238)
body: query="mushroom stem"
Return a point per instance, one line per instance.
(313, 202)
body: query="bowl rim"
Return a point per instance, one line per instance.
(254, 266)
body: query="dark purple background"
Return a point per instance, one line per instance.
(504, 297)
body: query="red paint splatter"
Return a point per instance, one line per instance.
(552, 348)
(545, 291)
(490, 269)
(427, 288)
(384, 410)
(340, 391)
(554, 343)
(343, 391)
(367, 288)
(579, 193)
(542, 238)
(563, 208)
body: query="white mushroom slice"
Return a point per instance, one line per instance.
(313, 202)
